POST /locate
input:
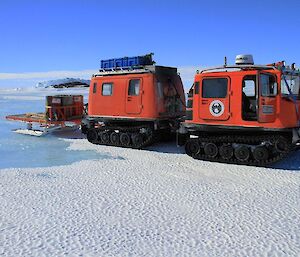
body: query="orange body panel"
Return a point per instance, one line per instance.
(282, 112)
(119, 103)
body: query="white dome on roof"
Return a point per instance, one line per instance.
(244, 59)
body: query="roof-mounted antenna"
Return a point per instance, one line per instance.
(225, 61)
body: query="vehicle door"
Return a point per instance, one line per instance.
(267, 93)
(134, 96)
(214, 102)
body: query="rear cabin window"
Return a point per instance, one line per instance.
(293, 82)
(268, 85)
(160, 89)
(214, 88)
(95, 88)
(107, 89)
(134, 87)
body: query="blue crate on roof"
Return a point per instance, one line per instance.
(127, 62)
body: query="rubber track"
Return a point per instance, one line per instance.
(149, 140)
(243, 140)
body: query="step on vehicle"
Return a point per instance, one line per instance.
(244, 113)
(133, 102)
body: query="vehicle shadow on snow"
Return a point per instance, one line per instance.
(71, 134)
(166, 147)
(292, 162)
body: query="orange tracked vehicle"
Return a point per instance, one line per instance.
(132, 102)
(243, 113)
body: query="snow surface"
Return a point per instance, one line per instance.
(109, 201)
(148, 203)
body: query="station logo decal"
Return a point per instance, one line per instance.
(216, 108)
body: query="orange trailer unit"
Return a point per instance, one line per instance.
(61, 112)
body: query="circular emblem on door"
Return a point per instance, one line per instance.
(216, 108)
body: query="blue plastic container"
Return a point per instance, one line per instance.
(127, 62)
(106, 64)
(121, 62)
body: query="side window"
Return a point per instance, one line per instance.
(268, 85)
(95, 88)
(249, 85)
(214, 88)
(134, 87)
(107, 89)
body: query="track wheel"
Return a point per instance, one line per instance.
(192, 147)
(242, 153)
(105, 137)
(137, 140)
(226, 151)
(92, 135)
(125, 139)
(260, 153)
(282, 144)
(211, 150)
(115, 138)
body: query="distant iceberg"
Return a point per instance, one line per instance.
(64, 83)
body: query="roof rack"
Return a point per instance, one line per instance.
(241, 67)
(123, 71)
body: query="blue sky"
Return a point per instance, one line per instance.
(73, 36)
